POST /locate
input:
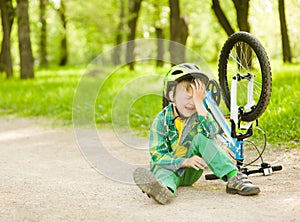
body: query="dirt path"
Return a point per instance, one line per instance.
(44, 177)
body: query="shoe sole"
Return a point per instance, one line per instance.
(245, 192)
(148, 183)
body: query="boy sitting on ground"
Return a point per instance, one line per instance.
(182, 141)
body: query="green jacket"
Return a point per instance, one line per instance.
(164, 137)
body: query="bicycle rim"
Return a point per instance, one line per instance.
(242, 54)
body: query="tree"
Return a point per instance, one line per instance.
(242, 12)
(222, 19)
(7, 17)
(134, 9)
(64, 44)
(286, 50)
(159, 35)
(43, 36)
(179, 33)
(116, 57)
(26, 57)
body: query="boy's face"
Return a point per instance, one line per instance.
(183, 100)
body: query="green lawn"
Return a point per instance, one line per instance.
(281, 120)
(49, 95)
(133, 98)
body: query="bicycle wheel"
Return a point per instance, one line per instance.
(243, 54)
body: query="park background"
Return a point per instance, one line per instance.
(48, 45)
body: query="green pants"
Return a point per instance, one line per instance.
(215, 157)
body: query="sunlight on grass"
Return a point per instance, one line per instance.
(49, 95)
(281, 119)
(134, 98)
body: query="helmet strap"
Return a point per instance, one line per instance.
(180, 115)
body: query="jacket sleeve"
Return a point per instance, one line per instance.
(160, 148)
(207, 126)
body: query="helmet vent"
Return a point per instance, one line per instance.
(176, 72)
(188, 66)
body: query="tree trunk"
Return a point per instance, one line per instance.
(222, 19)
(160, 47)
(134, 9)
(26, 57)
(116, 57)
(179, 33)
(286, 50)
(43, 37)
(242, 12)
(7, 17)
(159, 34)
(64, 46)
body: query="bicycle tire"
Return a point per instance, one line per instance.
(247, 41)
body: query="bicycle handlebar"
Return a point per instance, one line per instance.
(266, 170)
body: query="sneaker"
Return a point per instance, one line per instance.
(148, 183)
(240, 184)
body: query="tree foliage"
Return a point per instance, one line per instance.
(76, 35)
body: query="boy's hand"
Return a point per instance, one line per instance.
(199, 92)
(195, 162)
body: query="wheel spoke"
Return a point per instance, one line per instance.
(243, 54)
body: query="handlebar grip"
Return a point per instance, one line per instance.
(211, 177)
(276, 168)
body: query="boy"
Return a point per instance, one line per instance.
(182, 141)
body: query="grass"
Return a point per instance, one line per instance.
(281, 119)
(132, 99)
(49, 95)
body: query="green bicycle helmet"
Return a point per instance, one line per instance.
(180, 72)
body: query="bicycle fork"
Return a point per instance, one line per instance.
(235, 110)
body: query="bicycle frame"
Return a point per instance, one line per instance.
(231, 139)
(234, 145)
(245, 110)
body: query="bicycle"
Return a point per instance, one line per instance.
(245, 83)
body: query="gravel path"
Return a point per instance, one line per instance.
(44, 177)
